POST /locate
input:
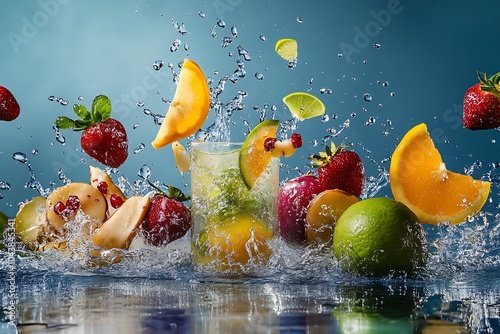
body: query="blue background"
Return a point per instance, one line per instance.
(429, 53)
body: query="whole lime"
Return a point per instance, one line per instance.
(378, 237)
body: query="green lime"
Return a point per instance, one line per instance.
(304, 105)
(253, 158)
(287, 48)
(379, 236)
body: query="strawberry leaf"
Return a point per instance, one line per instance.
(81, 111)
(176, 194)
(101, 106)
(65, 123)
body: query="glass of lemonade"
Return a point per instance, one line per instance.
(232, 225)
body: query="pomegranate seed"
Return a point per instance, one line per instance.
(115, 201)
(59, 208)
(72, 204)
(269, 144)
(102, 187)
(296, 140)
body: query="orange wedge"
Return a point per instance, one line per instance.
(189, 108)
(419, 179)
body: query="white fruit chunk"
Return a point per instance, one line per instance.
(30, 220)
(181, 155)
(119, 230)
(92, 202)
(97, 176)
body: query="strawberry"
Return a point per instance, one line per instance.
(167, 218)
(339, 169)
(9, 108)
(482, 104)
(103, 138)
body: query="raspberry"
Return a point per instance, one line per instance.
(115, 201)
(102, 187)
(296, 140)
(269, 144)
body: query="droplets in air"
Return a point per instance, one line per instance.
(226, 41)
(158, 119)
(4, 185)
(175, 45)
(325, 90)
(234, 31)
(367, 97)
(385, 83)
(259, 76)
(59, 100)
(180, 27)
(376, 45)
(20, 157)
(262, 37)
(140, 148)
(201, 14)
(144, 172)
(157, 65)
(59, 136)
(371, 120)
(140, 104)
(299, 19)
(243, 53)
(220, 23)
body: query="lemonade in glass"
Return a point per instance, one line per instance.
(232, 224)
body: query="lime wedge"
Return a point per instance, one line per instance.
(287, 49)
(304, 105)
(253, 158)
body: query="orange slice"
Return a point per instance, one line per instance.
(253, 158)
(419, 179)
(189, 108)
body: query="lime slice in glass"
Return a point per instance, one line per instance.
(287, 49)
(304, 105)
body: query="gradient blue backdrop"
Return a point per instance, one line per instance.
(427, 57)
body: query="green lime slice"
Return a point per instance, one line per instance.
(304, 105)
(253, 158)
(287, 48)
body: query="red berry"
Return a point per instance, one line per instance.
(481, 108)
(296, 140)
(59, 208)
(9, 108)
(115, 201)
(72, 204)
(102, 187)
(269, 144)
(106, 142)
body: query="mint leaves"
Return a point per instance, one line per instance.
(101, 111)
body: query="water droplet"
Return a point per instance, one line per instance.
(175, 45)
(493, 141)
(140, 104)
(340, 55)
(234, 31)
(299, 19)
(135, 126)
(376, 45)
(226, 41)
(310, 81)
(20, 157)
(201, 14)
(144, 172)
(371, 120)
(367, 97)
(186, 47)
(34, 151)
(4, 185)
(325, 90)
(63, 102)
(259, 76)
(353, 114)
(262, 37)
(140, 148)
(220, 23)
(385, 83)
(325, 118)
(244, 53)
(213, 32)
(157, 65)
(180, 27)
(80, 98)
(52, 98)
(392, 94)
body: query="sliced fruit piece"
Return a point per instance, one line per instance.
(304, 105)
(238, 241)
(181, 157)
(287, 48)
(253, 157)
(30, 220)
(323, 212)
(100, 180)
(189, 107)
(419, 179)
(119, 230)
(91, 202)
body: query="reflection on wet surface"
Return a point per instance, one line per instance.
(53, 303)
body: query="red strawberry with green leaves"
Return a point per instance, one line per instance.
(339, 168)
(103, 138)
(167, 218)
(482, 104)
(9, 108)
